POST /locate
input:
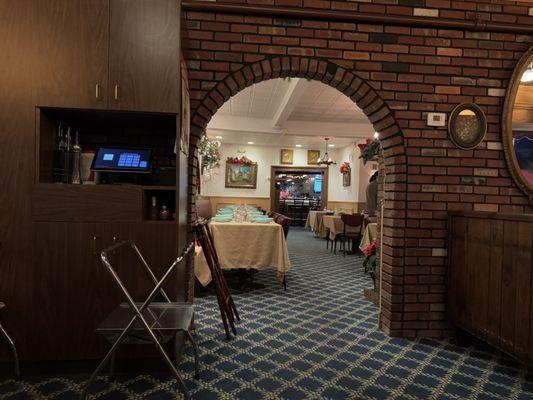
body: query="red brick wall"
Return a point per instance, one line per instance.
(397, 75)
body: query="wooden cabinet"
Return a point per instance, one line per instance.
(72, 56)
(109, 54)
(490, 269)
(144, 56)
(75, 292)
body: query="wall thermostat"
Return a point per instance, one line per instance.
(436, 119)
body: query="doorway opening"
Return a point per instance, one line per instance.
(294, 191)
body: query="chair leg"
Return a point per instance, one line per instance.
(196, 351)
(335, 248)
(112, 366)
(13, 349)
(285, 282)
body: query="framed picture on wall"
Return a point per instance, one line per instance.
(286, 156)
(346, 179)
(240, 175)
(185, 108)
(313, 156)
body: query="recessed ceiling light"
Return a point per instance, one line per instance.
(298, 145)
(331, 145)
(251, 142)
(218, 137)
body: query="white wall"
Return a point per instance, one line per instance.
(266, 157)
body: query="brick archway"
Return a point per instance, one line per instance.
(394, 155)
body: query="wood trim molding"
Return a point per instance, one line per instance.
(357, 17)
(507, 125)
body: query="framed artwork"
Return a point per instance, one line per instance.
(346, 179)
(185, 109)
(240, 175)
(467, 126)
(312, 156)
(286, 156)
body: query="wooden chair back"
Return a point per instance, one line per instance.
(228, 310)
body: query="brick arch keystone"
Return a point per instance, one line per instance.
(393, 150)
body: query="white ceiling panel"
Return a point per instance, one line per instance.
(289, 112)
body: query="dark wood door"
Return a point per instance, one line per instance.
(144, 55)
(72, 53)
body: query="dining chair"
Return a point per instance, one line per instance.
(11, 344)
(354, 221)
(226, 305)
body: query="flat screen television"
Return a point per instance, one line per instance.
(118, 159)
(317, 187)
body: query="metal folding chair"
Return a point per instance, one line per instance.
(159, 321)
(12, 345)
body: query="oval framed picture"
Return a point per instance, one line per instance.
(467, 126)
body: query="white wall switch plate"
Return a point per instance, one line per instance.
(436, 119)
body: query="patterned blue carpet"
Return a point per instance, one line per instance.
(317, 340)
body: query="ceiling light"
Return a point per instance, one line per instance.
(331, 145)
(218, 137)
(376, 135)
(251, 142)
(298, 145)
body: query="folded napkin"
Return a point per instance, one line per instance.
(262, 219)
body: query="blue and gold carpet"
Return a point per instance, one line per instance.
(317, 340)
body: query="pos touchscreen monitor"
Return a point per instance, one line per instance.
(115, 159)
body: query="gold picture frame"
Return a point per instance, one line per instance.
(346, 179)
(243, 176)
(313, 156)
(286, 156)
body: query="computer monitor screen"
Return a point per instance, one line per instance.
(122, 160)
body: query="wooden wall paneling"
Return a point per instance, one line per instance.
(509, 276)
(477, 260)
(73, 53)
(17, 286)
(494, 296)
(144, 55)
(523, 295)
(456, 276)
(90, 203)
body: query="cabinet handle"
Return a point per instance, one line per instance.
(98, 91)
(117, 92)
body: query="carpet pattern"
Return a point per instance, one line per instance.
(317, 340)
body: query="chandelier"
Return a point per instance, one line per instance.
(326, 160)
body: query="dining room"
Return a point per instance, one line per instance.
(289, 157)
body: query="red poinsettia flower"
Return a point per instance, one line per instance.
(371, 248)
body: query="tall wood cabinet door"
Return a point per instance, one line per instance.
(144, 55)
(73, 53)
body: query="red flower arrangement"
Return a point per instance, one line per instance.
(371, 248)
(369, 150)
(240, 160)
(370, 263)
(345, 168)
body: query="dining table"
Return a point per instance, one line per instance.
(245, 245)
(369, 234)
(334, 226)
(314, 218)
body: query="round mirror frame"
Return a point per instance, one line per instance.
(482, 125)
(507, 125)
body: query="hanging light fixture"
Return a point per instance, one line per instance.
(326, 159)
(527, 77)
